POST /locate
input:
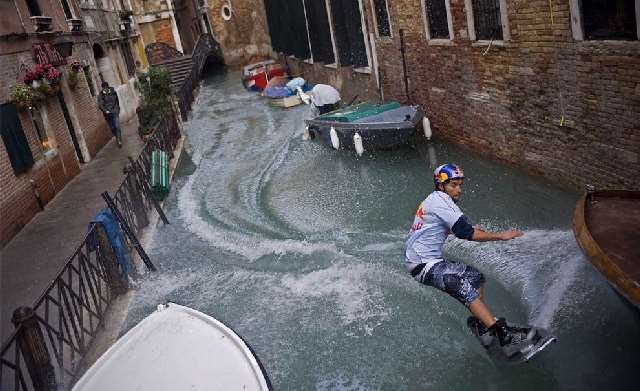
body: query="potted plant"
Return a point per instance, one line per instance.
(22, 96)
(34, 77)
(72, 78)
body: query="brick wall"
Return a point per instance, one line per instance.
(245, 35)
(50, 173)
(565, 109)
(163, 32)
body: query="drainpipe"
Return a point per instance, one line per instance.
(174, 26)
(404, 66)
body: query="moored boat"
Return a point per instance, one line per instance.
(256, 76)
(177, 348)
(366, 125)
(606, 224)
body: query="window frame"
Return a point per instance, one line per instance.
(335, 63)
(375, 20)
(38, 120)
(69, 6)
(504, 21)
(577, 27)
(427, 30)
(365, 37)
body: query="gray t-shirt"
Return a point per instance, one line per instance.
(434, 219)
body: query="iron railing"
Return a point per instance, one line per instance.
(205, 47)
(45, 350)
(52, 336)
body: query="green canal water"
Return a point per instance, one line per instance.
(299, 249)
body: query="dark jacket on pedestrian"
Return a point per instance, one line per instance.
(108, 101)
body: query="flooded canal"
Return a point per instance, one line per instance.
(299, 249)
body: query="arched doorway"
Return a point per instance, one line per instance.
(105, 67)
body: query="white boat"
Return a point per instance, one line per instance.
(176, 348)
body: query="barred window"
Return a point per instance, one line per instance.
(382, 18)
(609, 19)
(487, 20)
(436, 15)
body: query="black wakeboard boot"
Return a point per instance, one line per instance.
(513, 339)
(480, 330)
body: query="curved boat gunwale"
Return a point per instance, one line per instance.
(619, 279)
(137, 334)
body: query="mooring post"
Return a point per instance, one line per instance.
(34, 350)
(117, 281)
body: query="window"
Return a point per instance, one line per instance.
(319, 31)
(87, 75)
(38, 124)
(487, 20)
(610, 19)
(437, 17)
(67, 9)
(381, 12)
(128, 58)
(288, 27)
(347, 29)
(14, 139)
(34, 7)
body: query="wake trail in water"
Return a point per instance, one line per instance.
(538, 268)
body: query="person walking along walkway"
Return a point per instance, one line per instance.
(109, 104)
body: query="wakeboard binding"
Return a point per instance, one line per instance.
(510, 342)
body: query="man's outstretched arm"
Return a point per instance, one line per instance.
(463, 230)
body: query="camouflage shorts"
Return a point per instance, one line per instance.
(457, 279)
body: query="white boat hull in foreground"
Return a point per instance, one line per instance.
(176, 348)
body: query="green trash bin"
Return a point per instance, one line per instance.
(159, 173)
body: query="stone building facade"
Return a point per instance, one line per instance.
(241, 29)
(549, 86)
(61, 132)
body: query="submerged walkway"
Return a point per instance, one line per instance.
(30, 261)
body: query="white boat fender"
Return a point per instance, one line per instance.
(305, 134)
(426, 127)
(357, 142)
(335, 141)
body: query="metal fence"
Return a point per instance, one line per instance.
(205, 47)
(45, 350)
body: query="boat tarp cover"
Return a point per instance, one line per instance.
(400, 114)
(356, 112)
(114, 235)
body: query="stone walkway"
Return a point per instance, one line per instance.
(32, 259)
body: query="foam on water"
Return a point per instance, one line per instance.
(251, 247)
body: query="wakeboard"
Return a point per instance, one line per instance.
(541, 340)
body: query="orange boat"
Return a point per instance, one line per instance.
(607, 227)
